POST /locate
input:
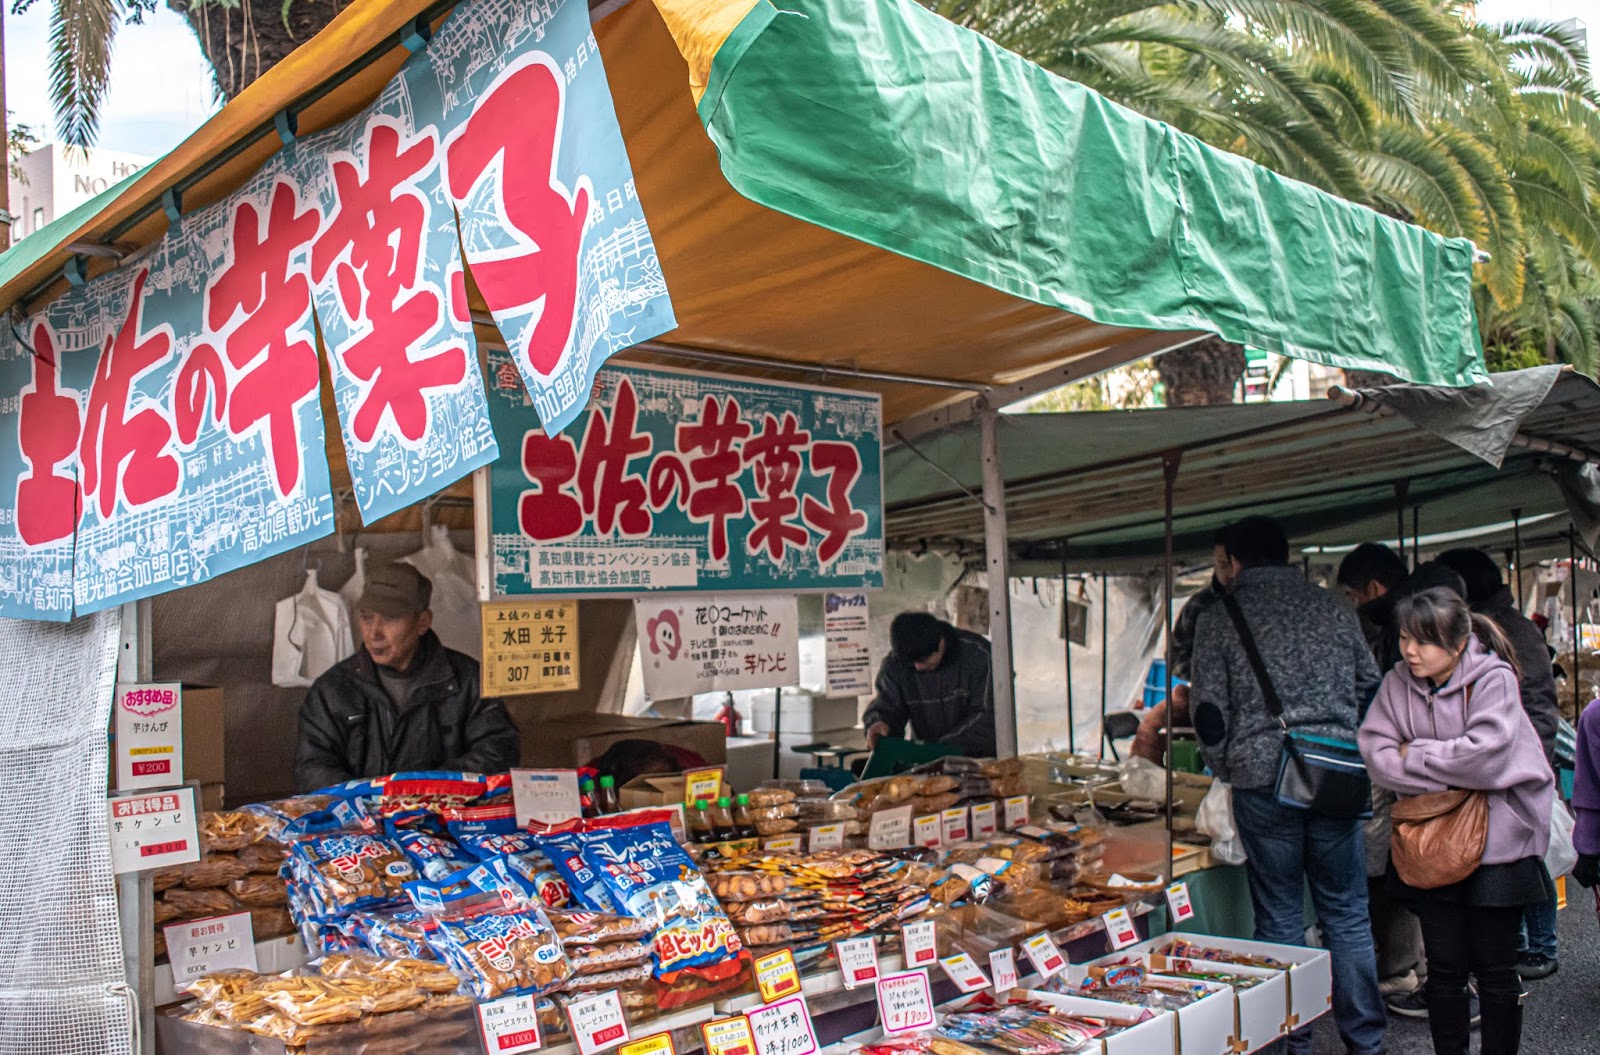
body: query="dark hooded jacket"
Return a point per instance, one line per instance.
(1538, 683)
(951, 705)
(350, 729)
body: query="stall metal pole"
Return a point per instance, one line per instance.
(998, 558)
(1169, 473)
(136, 890)
(1572, 568)
(777, 732)
(482, 538)
(1416, 536)
(1400, 489)
(1066, 634)
(1516, 550)
(1105, 645)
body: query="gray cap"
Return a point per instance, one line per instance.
(395, 590)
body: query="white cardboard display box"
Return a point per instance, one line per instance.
(1158, 1036)
(1259, 1012)
(1310, 971)
(1209, 1026)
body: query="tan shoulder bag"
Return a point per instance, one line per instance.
(1438, 838)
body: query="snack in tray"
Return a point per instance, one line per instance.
(430, 976)
(345, 871)
(257, 891)
(781, 826)
(746, 886)
(193, 904)
(598, 959)
(764, 797)
(1182, 948)
(213, 870)
(229, 830)
(499, 951)
(591, 928)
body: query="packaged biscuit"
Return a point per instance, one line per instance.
(259, 891)
(229, 830)
(614, 979)
(498, 951)
(434, 858)
(747, 886)
(343, 871)
(263, 858)
(587, 890)
(193, 904)
(598, 959)
(592, 928)
(213, 870)
(429, 790)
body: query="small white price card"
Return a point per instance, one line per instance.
(926, 831)
(1016, 812)
(921, 943)
(1046, 958)
(201, 946)
(728, 1036)
(776, 975)
(148, 722)
(1178, 901)
(858, 961)
(905, 1002)
(153, 831)
(1003, 966)
(783, 1028)
(654, 1044)
(955, 825)
(965, 972)
(890, 829)
(826, 837)
(984, 821)
(782, 844)
(548, 796)
(1120, 928)
(510, 1025)
(598, 1022)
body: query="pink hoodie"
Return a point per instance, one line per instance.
(1491, 747)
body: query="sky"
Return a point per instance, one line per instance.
(160, 84)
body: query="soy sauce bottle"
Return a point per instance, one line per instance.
(743, 825)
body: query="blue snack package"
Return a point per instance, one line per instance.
(500, 950)
(435, 859)
(346, 871)
(587, 889)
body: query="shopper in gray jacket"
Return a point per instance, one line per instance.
(1318, 662)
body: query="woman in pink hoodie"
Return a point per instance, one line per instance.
(1449, 716)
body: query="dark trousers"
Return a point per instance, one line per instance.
(1463, 941)
(1396, 933)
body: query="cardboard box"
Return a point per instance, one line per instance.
(204, 734)
(1209, 1026)
(574, 740)
(1158, 1036)
(1310, 973)
(211, 796)
(663, 789)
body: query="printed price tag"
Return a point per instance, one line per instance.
(984, 823)
(201, 946)
(153, 831)
(858, 961)
(955, 825)
(890, 829)
(728, 1036)
(598, 1022)
(510, 1025)
(548, 796)
(965, 972)
(655, 1044)
(1178, 901)
(1016, 812)
(905, 1002)
(921, 943)
(826, 837)
(1046, 958)
(148, 723)
(702, 784)
(1120, 928)
(782, 843)
(926, 831)
(1003, 966)
(783, 1028)
(776, 975)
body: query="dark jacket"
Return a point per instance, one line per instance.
(951, 705)
(350, 729)
(1538, 683)
(1317, 659)
(1183, 630)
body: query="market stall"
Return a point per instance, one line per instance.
(166, 421)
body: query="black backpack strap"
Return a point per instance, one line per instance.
(1253, 654)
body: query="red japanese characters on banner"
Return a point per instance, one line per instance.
(49, 421)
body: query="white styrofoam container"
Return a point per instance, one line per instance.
(1159, 1036)
(1209, 1026)
(1310, 972)
(805, 713)
(1260, 1013)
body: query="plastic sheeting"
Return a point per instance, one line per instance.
(1481, 419)
(62, 988)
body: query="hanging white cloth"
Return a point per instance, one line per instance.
(350, 592)
(456, 616)
(310, 633)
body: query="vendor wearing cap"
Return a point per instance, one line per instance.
(403, 701)
(937, 680)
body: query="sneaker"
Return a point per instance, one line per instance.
(1408, 1005)
(1532, 966)
(1399, 984)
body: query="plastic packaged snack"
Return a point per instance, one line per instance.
(771, 910)
(590, 928)
(165, 913)
(499, 952)
(598, 959)
(259, 891)
(166, 878)
(586, 888)
(397, 934)
(780, 826)
(435, 859)
(223, 985)
(746, 886)
(228, 830)
(764, 797)
(766, 934)
(432, 790)
(264, 857)
(213, 870)
(625, 976)
(193, 904)
(351, 871)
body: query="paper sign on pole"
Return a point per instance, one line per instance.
(1178, 901)
(905, 1002)
(1003, 967)
(783, 1028)
(858, 961)
(1120, 928)
(548, 796)
(920, 942)
(693, 644)
(890, 829)
(529, 646)
(776, 975)
(844, 629)
(510, 1025)
(148, 723)
(200, 946)
(598, 1022)
(154, 830)
(728, 1036)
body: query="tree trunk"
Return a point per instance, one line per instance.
(1368, 379)
(1203, 374)
(245, 39)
